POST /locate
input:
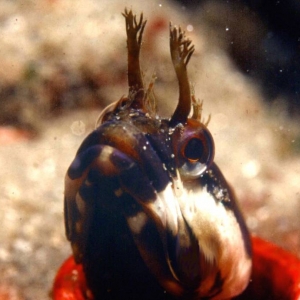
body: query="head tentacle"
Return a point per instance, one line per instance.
(181, 52)
(134, 30)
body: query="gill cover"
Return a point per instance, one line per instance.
(146, 208)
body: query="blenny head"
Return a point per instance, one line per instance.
(156, 177)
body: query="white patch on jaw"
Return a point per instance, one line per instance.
(137, 222)
(201, 213)
(170, 208)
(164, 209)
(219, 235)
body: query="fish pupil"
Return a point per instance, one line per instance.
(194, 149)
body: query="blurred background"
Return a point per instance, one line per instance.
(61, 62)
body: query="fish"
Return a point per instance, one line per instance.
(148, 213)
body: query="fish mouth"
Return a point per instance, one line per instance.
(167, 243)
(180, 245)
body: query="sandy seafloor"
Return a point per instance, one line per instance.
(257, 145)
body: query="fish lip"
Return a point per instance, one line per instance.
(185, 255)
(178, 261)
(180, 247)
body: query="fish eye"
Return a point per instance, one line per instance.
(193, 147)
